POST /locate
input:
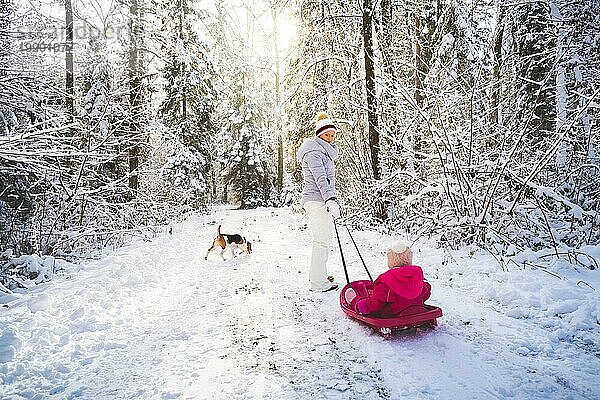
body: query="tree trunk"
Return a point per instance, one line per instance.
(181, 28)
(134, 95)
(367, 32)
(70, 93)
(278, 99)
(385, 36)
(280, 163)
(380, 208)
(425, 27)
(536, 87)
(6, 15)
(495, 112)
(419, 64)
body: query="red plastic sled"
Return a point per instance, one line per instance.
(413, 317)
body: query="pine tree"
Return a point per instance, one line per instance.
(248, 174)
(188, 105)
(534, 36)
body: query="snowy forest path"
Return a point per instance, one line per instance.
(290, 343)
(282, 339)
(155, 320)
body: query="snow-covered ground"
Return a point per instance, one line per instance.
(154, 320)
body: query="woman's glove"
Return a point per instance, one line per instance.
(333, 207)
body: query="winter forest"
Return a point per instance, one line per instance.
(473, 124)
(467, 121)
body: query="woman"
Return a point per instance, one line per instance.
(317, 156)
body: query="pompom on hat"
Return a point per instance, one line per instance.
(324, 123)
(399, 255)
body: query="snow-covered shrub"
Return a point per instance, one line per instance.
(8, 121)
(26, 270)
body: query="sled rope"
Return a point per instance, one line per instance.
(342, 253)
(359, 255)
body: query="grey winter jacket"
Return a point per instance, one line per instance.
(316, 157)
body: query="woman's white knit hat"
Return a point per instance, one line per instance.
(399, 255)
(324, 123)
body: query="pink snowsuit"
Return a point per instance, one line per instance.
(394, 291)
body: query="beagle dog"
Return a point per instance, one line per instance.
(231, 242)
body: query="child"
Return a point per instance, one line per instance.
(395, 290)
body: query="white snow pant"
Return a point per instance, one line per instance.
(321, 224)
